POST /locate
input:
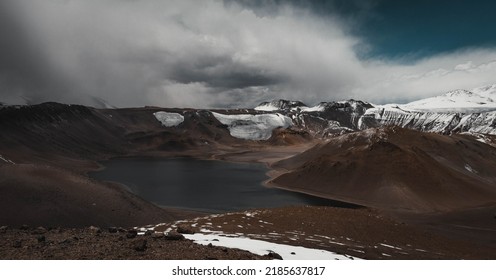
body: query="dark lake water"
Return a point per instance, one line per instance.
(212, 186)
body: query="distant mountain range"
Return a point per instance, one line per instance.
(457, 111)
(453, 112)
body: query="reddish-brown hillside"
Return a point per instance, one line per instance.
(397, 169)
(49, 196)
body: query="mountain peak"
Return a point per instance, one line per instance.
(486, 91)
(459, 93)
(279, 104)
(459, 100)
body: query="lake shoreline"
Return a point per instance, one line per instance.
(194, 184)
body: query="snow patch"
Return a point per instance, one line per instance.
(317, 108)
(6, 160)
(251, 213)
(280, 104)
(261, 248)
(469, 168)
(253, 127)
(390, 246)
(169, 119)
(267, 108)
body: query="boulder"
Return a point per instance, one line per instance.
(158, 235)
(185, 230)
(274, 255)
(132, 233)
(173, 235)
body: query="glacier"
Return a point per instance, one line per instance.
(253, 127)
(169, 119)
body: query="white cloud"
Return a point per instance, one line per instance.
(432, 76)
(187, 53)
(469, 65)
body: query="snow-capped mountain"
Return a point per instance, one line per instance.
(455, 111)
(484, 122)
(455, 101)
(279, 104)
(323, 119)
(486, 91)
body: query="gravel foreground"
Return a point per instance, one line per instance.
(93, 243)
(360, 233)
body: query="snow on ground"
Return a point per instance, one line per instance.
(460, 101)
(6, 160)
(317, 108)
(206, 233)
(260, 247)
(380, 110)
(457, 99)
(390, 246)
(253, 127)
(280, 104)
(486, 91)
(469, 168)
(169, 119)
(432, 120)
(267, 107)
(480, 137)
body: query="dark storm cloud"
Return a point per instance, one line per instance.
(209, 53)
(223, 74)
(125, 52)
(21, 68)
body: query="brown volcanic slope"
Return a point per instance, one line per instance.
(63, 135)
(363, 233)
(49, 196)
(47, 148)
(53, 146)
(396, 169)
(55, 131)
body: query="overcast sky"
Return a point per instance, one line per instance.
(210, 53)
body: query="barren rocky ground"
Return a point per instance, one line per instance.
(359, 233)
(105, 244)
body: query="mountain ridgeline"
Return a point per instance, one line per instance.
(84, 131)
(332, 118)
